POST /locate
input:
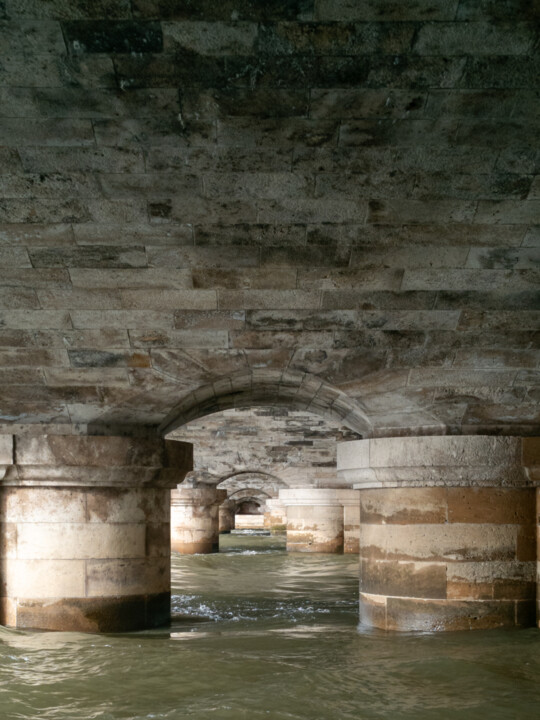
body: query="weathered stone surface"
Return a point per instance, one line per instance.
(84, 557)
(350, 188)
(106, 36)
(446, 558)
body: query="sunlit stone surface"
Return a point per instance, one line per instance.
(85, 532)
(448, 530)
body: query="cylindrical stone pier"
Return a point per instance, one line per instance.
(448, 537)
(226, 516)
(314, 520)
(350, 499)
(195, 519)
(85, 531)
(275, 517)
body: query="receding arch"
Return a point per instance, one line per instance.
(249, 494)
(295, 390)
(249, 475)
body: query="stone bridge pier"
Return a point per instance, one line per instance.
(448, 530)
(85, 531)
(195, 518)
(316, 522)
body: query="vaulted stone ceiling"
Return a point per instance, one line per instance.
(295, 447)
(326, 204)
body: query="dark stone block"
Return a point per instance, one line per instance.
(97, 256)
(96, 358)
(476, 300)
(421, 580)
(183, 68)
(223, 10)
(408, 71)
(313, 256)
(118, 614)
(158, 610)
(505, 71)
(497, 10)
(526, 613)
(263, 102)
(294, 71)
(107, 36)
(342, 71)
(429, 615)
(334, 38)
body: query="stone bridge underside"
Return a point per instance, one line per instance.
(328, 204)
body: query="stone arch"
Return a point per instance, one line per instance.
(247, 495)
(295, 390)
(249, 476)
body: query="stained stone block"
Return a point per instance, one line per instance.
(21, 319)
(211, 38)
(505, 71)
(473, 38)
(508, 211)
(385, 10)
(409, 71)
(212, 10)
(169, 299)
(106, 36)
(512, 10)
(258, 299)
(78, 9)
(266, 102)
(89, 257)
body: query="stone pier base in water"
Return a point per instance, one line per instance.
(85, 534)
(323, 520)
(226, 516)
(448, 530)
(314, 520)
(195, 519)
(275, 517)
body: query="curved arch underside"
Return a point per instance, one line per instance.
(297, 391)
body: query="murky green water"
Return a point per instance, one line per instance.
(277, 640)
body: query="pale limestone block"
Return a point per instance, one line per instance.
(80, 540)
(249, 522)
(354, 454)
(42, 319)
(43, 505)
(136, 505)
(443, 451)
(167, 299)
(452, 542)
(8, 540)
(105, 377)
(48, 578)
(6, 449)
(122, 319)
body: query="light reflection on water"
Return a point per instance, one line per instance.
(268, 635)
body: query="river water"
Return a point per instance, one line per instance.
(263, 634)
